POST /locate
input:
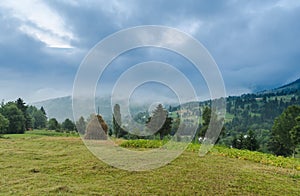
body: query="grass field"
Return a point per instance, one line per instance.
(38, 163)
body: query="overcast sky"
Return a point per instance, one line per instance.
(42, 43)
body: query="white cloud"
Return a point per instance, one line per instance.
(47, 93)
(288, 4)
(40, 22)
(52, 41)
(119, 11)
(190, 26)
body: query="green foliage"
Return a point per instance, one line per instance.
(247, 141)
(39, 118)
(4, 123)
(284, 138)
(110, 132)
(159, 123)
(257, 111)
(141, 143)
(43, 110)
(49, 133)
(295, 134)
(28, 119)
(254, 156)
(175, 126)
(141, 117)
(81, 125)
(38, 133)
(68, 125)
(259, 157)
(207, 113)
(21, 117)
(53, 124)
(210, 121)
(15, 117)
(205, 119)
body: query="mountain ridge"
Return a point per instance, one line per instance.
(61, 107)
(287, 88)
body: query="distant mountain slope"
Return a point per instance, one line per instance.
(290, 87)
(285, 89)
(61, 108)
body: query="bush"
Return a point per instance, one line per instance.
(141, 143)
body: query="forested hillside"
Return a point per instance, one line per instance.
(252, 114)
(257, 113)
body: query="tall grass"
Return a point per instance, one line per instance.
(259, 157)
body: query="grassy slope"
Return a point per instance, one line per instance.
(33, 164)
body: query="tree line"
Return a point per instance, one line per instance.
(159, 124)
(284, 136)
(16, 117)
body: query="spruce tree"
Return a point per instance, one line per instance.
(159, 123)
(23, 107)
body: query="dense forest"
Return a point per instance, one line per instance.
(256, 113)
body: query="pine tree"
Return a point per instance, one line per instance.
(247, 141)
(160, 123)
(43, 110)
(205, 121)
(28, 120)
(234, 142)
(240, 142)
(40, 119)
(21, 105)
(211, 121)
(251, 142)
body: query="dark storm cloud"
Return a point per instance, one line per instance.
(255, 43)
(250, 40)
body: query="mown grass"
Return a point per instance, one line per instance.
(51, 165)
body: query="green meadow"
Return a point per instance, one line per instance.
(51, 163)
